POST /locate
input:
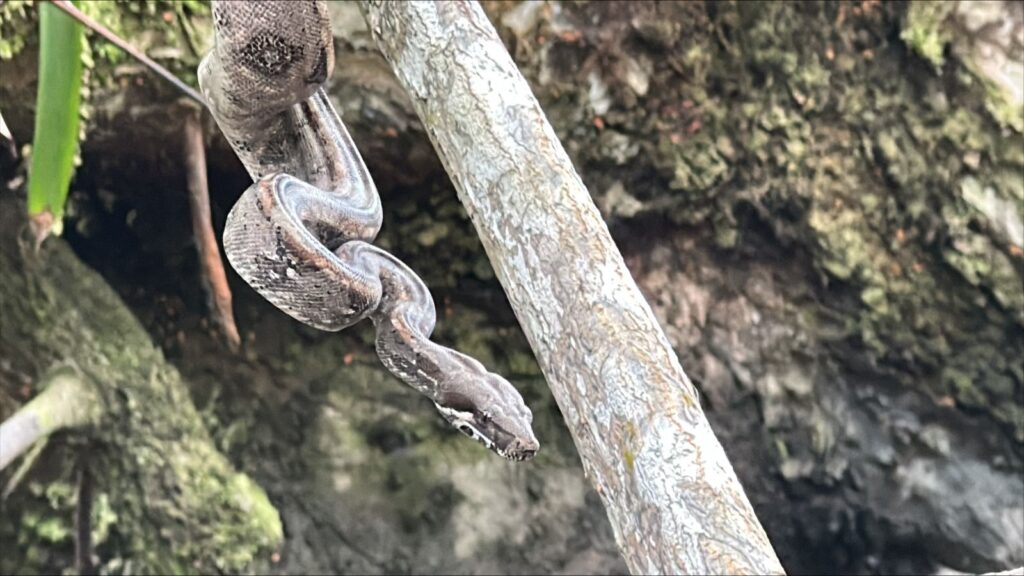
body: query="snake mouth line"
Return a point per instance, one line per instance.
(519, 457)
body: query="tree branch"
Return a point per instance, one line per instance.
(83, 520)
(67, 401)
(211, 266)
(674, 502)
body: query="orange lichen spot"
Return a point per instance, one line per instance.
(1016, 251)
(918, 267)
(868, 54)
(168, 16)
(347, 359)
(830, 54)
(391, 132)
(946, 401)
(275, 557)
(629, 458)
(598, 122)
(900, 235)
(688, 400)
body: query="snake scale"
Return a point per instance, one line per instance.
(301, 234)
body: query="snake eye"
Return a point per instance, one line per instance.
(465, 429)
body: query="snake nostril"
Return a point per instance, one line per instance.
(319, 74)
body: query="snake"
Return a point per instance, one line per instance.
(302, 234)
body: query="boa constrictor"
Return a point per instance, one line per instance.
(301, 234)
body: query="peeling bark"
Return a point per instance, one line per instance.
(674, 502)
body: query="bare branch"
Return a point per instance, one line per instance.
(67, 401)
(24, 467)
(83, 520)
(211, 266)
(674, 502)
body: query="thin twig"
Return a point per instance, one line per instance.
(7, 138)
(24, 467)
(211, 265)
(116, 40)
(83, 520)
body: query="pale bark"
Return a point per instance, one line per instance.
(67, 401)
(673, 499)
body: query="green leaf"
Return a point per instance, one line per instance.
(56, 132)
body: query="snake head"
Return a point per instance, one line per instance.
(493, 414)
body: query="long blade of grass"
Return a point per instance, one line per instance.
(56, 126)
(69, 9)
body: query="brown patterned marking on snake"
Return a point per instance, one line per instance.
(301, 234)
(269, 54)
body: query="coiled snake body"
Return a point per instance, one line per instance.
(300, 235)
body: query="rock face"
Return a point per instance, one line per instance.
(821, 202)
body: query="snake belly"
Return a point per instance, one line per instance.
(302, 234)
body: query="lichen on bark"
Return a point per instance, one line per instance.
(180, 505)
(806, 119)
(823, 219)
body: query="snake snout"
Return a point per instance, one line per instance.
(523, 449)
